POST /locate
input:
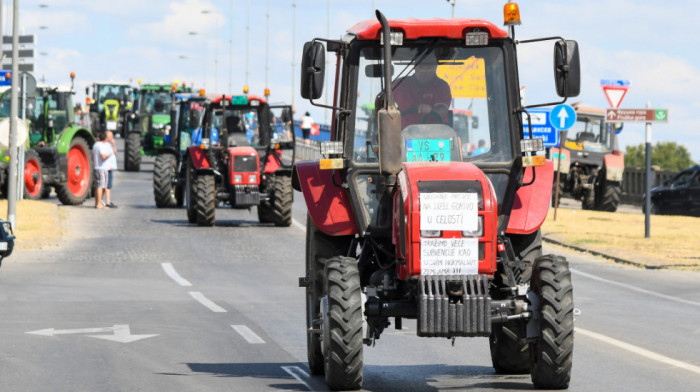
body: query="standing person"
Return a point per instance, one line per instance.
(112, 163)
(306, 123)
(100, 152)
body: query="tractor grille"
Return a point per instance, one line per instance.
(245, 164)
(451, 306)
(245, 196)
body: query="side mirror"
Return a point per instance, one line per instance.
(87, 91)
(567, 68)
(313, 63)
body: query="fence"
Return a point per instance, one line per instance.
(633, 183)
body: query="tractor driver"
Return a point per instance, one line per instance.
(423, 97)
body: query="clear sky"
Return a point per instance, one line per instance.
(650, 43)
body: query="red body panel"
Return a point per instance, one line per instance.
(198, 157)
(407, 208)
(435, 27)
(273, 161)
(532, 202)
(328, 204)
(616, 161)
(245, 176)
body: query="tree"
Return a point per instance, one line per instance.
(666, 155)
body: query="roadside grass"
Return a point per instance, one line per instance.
(674, 240)
(38, 224)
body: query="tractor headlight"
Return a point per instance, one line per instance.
(479, 232)
(430, 233)
(252, 178)
(237, 178)
(159, 126)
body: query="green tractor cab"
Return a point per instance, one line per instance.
(109, 105)
(149, 122)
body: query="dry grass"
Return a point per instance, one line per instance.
(674, 240)
(38, 224)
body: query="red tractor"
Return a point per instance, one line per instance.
(404, 224)
(237, 159)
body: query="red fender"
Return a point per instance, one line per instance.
(328, 204)
(198, 157)
(273, 161)
(532, 202)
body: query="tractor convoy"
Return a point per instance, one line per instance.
(404, 222)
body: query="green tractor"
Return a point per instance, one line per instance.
(150, 122)
(109, 105)
(58, 152)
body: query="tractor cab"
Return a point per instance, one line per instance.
(48, 113)
(427, 201)
(109, 102)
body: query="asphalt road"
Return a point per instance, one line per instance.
(139, 300)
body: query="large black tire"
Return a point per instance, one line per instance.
(205, 199)
(80, 173)
(608, 195)
(510, 352)
(552, 352)
(278, 209)
(132, 152)
(34, 187)
(342, 339)
(189, 193)
(163, 175)
(319, 246)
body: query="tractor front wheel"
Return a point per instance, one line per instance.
(77, 187)
(163, 175)
(278, 209)
(342, 329)
(205, 200)
(552, 351)
(34, 187)
(132, 159)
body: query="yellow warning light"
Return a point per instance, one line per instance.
(201, 92)
(139, 80)
(177, 82)
(72, 75)
(511, 14)
(8, 75)
(537, 160)
(173, 87)
(245, 89)
(267, 92)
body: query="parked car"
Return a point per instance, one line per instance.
(679, 195)
(7, 239)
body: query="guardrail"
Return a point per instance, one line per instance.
(306, 150)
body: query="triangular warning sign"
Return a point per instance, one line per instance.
(615, 94)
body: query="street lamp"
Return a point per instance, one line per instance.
(452, 3)
(204, 65)
(216, 51)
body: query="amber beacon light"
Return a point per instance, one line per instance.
(511, 14)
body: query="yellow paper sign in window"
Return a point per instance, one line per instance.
(467, 79)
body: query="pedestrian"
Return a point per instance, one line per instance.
(112, 163)
(306, 123)
(100, 152)
(481, 149)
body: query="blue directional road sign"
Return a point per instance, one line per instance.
(541, 127)
(562, 117)
(3, 80)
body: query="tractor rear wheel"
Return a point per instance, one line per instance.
(205, 200)
(342, 332)
(190, 177)
(77, 187)
(34, 187)
(510, 353)
(552, 351)
(163, 175)
(132, 159)
(278, 209)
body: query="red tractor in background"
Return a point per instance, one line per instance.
(404, 224)
(236, 159)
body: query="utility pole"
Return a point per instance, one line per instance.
(12, 180)
(452, 3)
(294, 45)
(230, 50)
(247, 47)
(328, 34)
(267, 50)
(649, 181)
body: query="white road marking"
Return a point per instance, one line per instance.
(299, 374)
(640, 351)
(635, 288)
(206, 302)
(170, 271)
(298, 225)
(247, 334)
(120, 333)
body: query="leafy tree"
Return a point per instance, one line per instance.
(666, 155)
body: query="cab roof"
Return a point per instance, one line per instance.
(412, 28)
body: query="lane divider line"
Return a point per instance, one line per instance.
(635, 288)
(206, 302)
(299, 374)
(639, 351)
(170, 271)
(247, 334)
(298, 225)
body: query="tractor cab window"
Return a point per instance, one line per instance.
(190, 120)
(452, 101)
(156, 102)
(241, 125)
(589, 133)
(281, 123)
(107, 92)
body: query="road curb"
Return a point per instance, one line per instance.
(614, 258)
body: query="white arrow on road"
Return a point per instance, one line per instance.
(121, 333)
(562, 118)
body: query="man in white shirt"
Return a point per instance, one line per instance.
(112, 163)
(100, 152)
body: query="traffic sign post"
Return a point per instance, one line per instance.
(563, 117)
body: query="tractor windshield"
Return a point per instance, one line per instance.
(452, 101)
(106, 92)
(241, 125)
(190, 120)
(589, 133)
(156, 102)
